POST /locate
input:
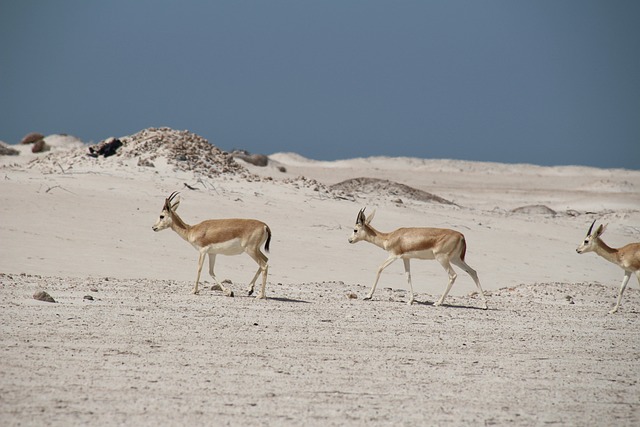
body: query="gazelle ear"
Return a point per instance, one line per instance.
(600, 230)
(370, 217)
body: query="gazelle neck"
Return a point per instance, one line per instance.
(606, 252)
(376, 237)
(179, 226)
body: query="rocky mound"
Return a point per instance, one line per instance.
(385, 187)
(184, 150)
(253, 158)
(534, 210)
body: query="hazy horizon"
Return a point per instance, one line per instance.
(547, 83)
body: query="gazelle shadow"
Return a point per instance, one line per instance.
(284, 299)
(468, 307)
(432, 303)
(416, 302)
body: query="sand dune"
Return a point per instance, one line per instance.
(146, 351)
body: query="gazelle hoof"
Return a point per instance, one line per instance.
(367, 298)
(410, 302)
(261, 296)
(614, 311)
(250, 292)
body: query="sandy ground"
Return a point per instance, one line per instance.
(146, 351)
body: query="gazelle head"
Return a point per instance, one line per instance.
(591, 240)
(166, 216)
(360, 229)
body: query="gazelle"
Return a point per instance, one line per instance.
(626, 257)
(444, 245)
(220, 236)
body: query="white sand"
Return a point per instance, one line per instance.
(146, 351)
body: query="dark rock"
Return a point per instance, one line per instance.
(106, 148)
(43, 296)
(40, 146)
(32, 137)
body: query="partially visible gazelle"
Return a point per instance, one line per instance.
(626, 257)
(220, 236)
(444, 245)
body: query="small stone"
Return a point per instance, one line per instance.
(43, 296)
(352, 295)
(88, 297)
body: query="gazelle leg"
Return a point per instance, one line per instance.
(263, 267)
(382, 267)
(200, 262)
(212, 262)
(407, 270)
(253, 281)
(262, 294)
(452, 278)
(474, 275)
(625, 281)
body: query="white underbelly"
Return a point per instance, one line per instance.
(428, 254)
(230, 247)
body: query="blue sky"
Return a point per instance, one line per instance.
(546, 82)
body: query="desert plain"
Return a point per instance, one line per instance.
(127, 343)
